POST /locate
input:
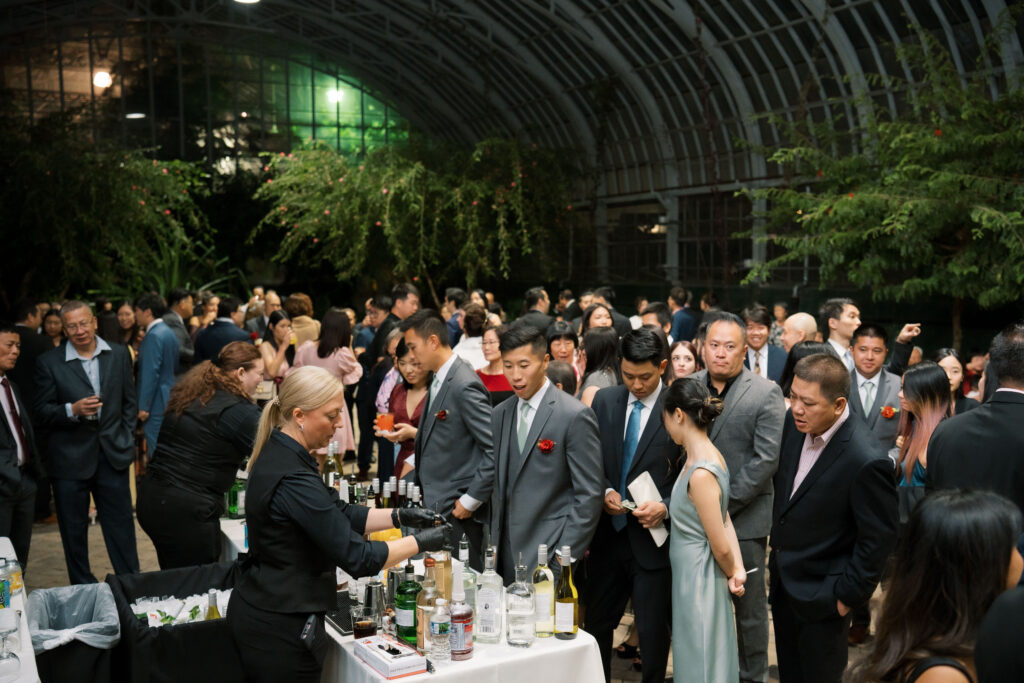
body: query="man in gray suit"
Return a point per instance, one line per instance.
(453, 442)
(874, 389)
(85, 398)
(271, 303)
(179, 309)
(748, 434)
(547, 460)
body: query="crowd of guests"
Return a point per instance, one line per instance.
(703, 465)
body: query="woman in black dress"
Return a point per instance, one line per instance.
(207, 433)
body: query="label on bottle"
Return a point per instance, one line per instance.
(405, 617)
(543, 611)
(440, 628)
(487, 611)
(520, 630)
(461, 636)
(241, 501)
(565, 617)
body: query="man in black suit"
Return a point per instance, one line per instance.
(28, 319)
(537, 304)
(762, 358)
(606, 295)
(85, 397)
(833, 523)
(179, 310)
(983, 448)
(684, 323)
(624, 559)
(19, 457)
(225, 328)
(405, 300)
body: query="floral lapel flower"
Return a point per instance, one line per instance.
(441, 415)
(546, 445)
(253, 336)
(888, 412)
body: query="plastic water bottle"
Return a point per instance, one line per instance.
(440, 633)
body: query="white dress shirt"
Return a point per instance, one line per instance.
(843, 352)
(91, 366)
(9, 412)
(752, 360)
(861, 379)
(649, 406)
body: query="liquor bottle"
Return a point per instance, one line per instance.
(211, 608)
(440, 633)
(488, 602)
(468, 573)
(385, 496)
(402, 485)
(405, 606)
(544, 594)
(521, 609)
(425, 601)
(376, 493)
(443, 572)
(236, 499)
(566, 599)
(361, 493)
(462, 620)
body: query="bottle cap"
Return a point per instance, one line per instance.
(542, 553)
(429, 562)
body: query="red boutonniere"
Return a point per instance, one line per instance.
(888, 412)
(441, 415)
(278, 380)
(545, 445)
(253, 336)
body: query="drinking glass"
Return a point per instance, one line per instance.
(365, 621)
(10, 665)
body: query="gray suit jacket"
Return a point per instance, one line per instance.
(555, 497)
(257, 325)
(749, 434)
(453, 442)
(186, 349)
(887, 393)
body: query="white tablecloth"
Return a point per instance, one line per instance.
(232, 539)
(548, 659)
(29, 673)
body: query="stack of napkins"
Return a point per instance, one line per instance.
(389, 657)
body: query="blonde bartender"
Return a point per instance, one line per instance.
(299, 531)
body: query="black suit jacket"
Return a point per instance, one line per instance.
(215, 337)
(982, 448)
(830, 538)
(620, 323)
(75, 445)
(33, 345)
(536, 319)
(656, 454)
(10, 476)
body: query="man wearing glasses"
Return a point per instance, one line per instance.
(85, 399)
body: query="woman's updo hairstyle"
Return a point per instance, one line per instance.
(693, 398)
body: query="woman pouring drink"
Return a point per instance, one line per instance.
(299, 531)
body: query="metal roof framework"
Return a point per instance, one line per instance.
(654, 94)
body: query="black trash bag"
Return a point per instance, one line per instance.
(201, 651)
(73, 631)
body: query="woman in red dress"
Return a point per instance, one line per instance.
(493, 375)
(407, 399)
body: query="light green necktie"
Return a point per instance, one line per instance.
(524, 426)
(869, 395)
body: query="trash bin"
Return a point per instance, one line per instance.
(200, 651)
(74, 629)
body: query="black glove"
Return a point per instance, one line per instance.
(434, 538)
(415, 518)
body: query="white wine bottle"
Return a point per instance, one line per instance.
(211, 610)
(567, 602)
(544, 587)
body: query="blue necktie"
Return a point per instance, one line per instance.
(628, 451)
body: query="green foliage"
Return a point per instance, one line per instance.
(926, 203)
(85, 218)
(448, 215)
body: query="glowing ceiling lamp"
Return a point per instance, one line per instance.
(334, 96)
(101, 79)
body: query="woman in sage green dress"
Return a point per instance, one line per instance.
(706, 562)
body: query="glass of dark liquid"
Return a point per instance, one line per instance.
(365, 622)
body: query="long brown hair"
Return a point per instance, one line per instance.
(926, 390)
(205, 379)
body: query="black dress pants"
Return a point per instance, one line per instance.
(269, 647)
(614, 576)
(809, 651)
(16, 514)
(183, 525)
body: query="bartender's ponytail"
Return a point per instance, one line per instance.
(306, 388)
